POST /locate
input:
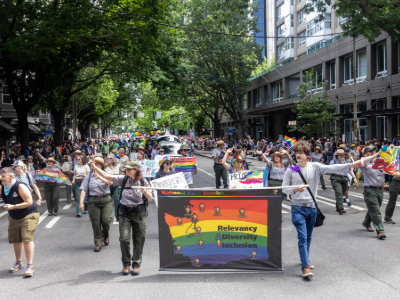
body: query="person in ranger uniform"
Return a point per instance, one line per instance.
(373, 192)
(339, 181)
(394, 190)
(317, 157)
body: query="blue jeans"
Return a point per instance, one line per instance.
(78, 196)
(329, 158)
(303, 218)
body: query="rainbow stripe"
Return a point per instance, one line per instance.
(52, 176)
(222, 246)
(184, 164)
(249, 152)
(221, 156)
(289, 141)
(253, 178)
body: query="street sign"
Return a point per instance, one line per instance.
(49, 131)
(159, 115)
(230, 130)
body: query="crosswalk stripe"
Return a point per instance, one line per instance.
(67, 206)
(284, 212)
(334, 201)
(359, 196)
(3, 213)
(52, 222)
(286, 206)
(43, 216)
(330, 204)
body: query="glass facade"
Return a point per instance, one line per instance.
(261, 25)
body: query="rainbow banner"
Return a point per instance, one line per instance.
(230, 229)
(387, 161)
(51, 176)
(184, 164)
(221, 156)
(249, 152)
(289, 141)
(249, 180)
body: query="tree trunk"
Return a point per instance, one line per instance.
(23, 129)
(240, 130)
(59, 116)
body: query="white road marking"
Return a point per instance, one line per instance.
(330, 204)
(43, 216)
(284, 212)
(206, 172)
(286, 206)
(3, 213)
(334, 201)
(52, 222)
(67, 206)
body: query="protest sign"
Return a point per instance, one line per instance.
(249, 180)
(133, 156)
(387, 161)
(212, 230)
(184, 164)
(149, 168)
(175, 181)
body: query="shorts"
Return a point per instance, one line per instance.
(22, 230)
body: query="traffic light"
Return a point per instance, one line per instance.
(135, 114)
(154, 114)
(119, 114)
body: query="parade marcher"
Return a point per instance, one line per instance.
(373, 192)
(22, 221)
(350, 176)
(184, 152)
(65, 170)
(80, 172)
(132, 214)
(304, 211)
(123, 159)
(394, 190)
(317, 157)
(219, 169)
(52, 189)
(113, 169)
(166, 167)
(104, 149)
(339, 181)
(276, 169)
(22, 176)
(100, 205)
(237, 164)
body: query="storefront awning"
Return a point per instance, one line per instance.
(8, 127)
(34, 128)
(381, 112)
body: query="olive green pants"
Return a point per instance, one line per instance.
(394, 190)
(115, 197)
(100, 213)
(134, 223)
(52, 196)
(373, 198)
(339, 185)
(272, 182)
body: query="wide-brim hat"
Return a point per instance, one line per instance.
(369, 148)
(100, 161)
(340, 152)
(342, 146)
(165, 159)
(183, 147)
(141, 148)
(133, 165)
(21, 157)
(77, 152)
(114, 151)
(18, 163)
(318, 148)
(220, 142)
(51, 159)
(238, 158)
(276, 153)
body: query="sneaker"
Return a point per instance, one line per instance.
(79, 215)
(307, 273)
(381, 236)
(349, 203)
(29, 272)
(368, 228)
(85, 212)
(135, 271)
(310, 265)
(344, 200)
(389, 221)
(16, 267)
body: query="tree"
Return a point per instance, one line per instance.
(366, 18)
(220, 64)
(315, 113)
(264, 66)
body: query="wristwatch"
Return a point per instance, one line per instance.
(15, 207)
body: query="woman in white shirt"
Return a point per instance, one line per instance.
(80, 172)
(113, 169)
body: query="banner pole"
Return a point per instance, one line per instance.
(263, 188)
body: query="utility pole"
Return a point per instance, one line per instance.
(354, 88)
(74, 117)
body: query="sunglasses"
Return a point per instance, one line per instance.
(78, 159)
(168, 163)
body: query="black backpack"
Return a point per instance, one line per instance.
(145, 201)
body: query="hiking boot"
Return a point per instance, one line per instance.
(126, 270)
(29, 272)
(310, 265)
(16, 267)
(389, 221)
(135, 271)
(341, 212)
(307, 273)
(368, 228)
(381, 236)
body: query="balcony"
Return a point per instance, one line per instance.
(381, 74)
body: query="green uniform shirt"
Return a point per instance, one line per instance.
(105, 149)
(154, 124)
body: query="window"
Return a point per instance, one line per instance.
(6, 95)
(362, 106)
(313, 27)
(302, 38)
(281, 30)
(381, 58)
(318, 80)
(348, 68)
(361, 66)
(289, 43)
(279, 12)
(341, 20)
(244, 102)
(301, 16)
(332, 74)
(278, 92)
(291, 21)
(281, 51)
(328, 21)
(257, 97)
(381, 104)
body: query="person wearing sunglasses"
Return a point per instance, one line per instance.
(166, 167)
(237, 164)
(80, 172)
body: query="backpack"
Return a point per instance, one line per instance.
(145, 201)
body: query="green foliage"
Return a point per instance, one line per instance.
(264, 66)
(366, 18)
(315, 113)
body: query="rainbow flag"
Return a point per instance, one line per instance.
(253, 178)
(249, 152)
(289, 141)
(223, 152)
(137, 134)
(51, 176)
(184, 164)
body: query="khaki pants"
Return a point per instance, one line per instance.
(373, 198)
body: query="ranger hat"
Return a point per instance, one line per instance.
(132, 165)
(340, 152)
(369, 148)
(220, 142)
(342, 146)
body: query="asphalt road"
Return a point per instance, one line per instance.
(350, 263)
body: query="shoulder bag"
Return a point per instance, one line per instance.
(87, 196)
